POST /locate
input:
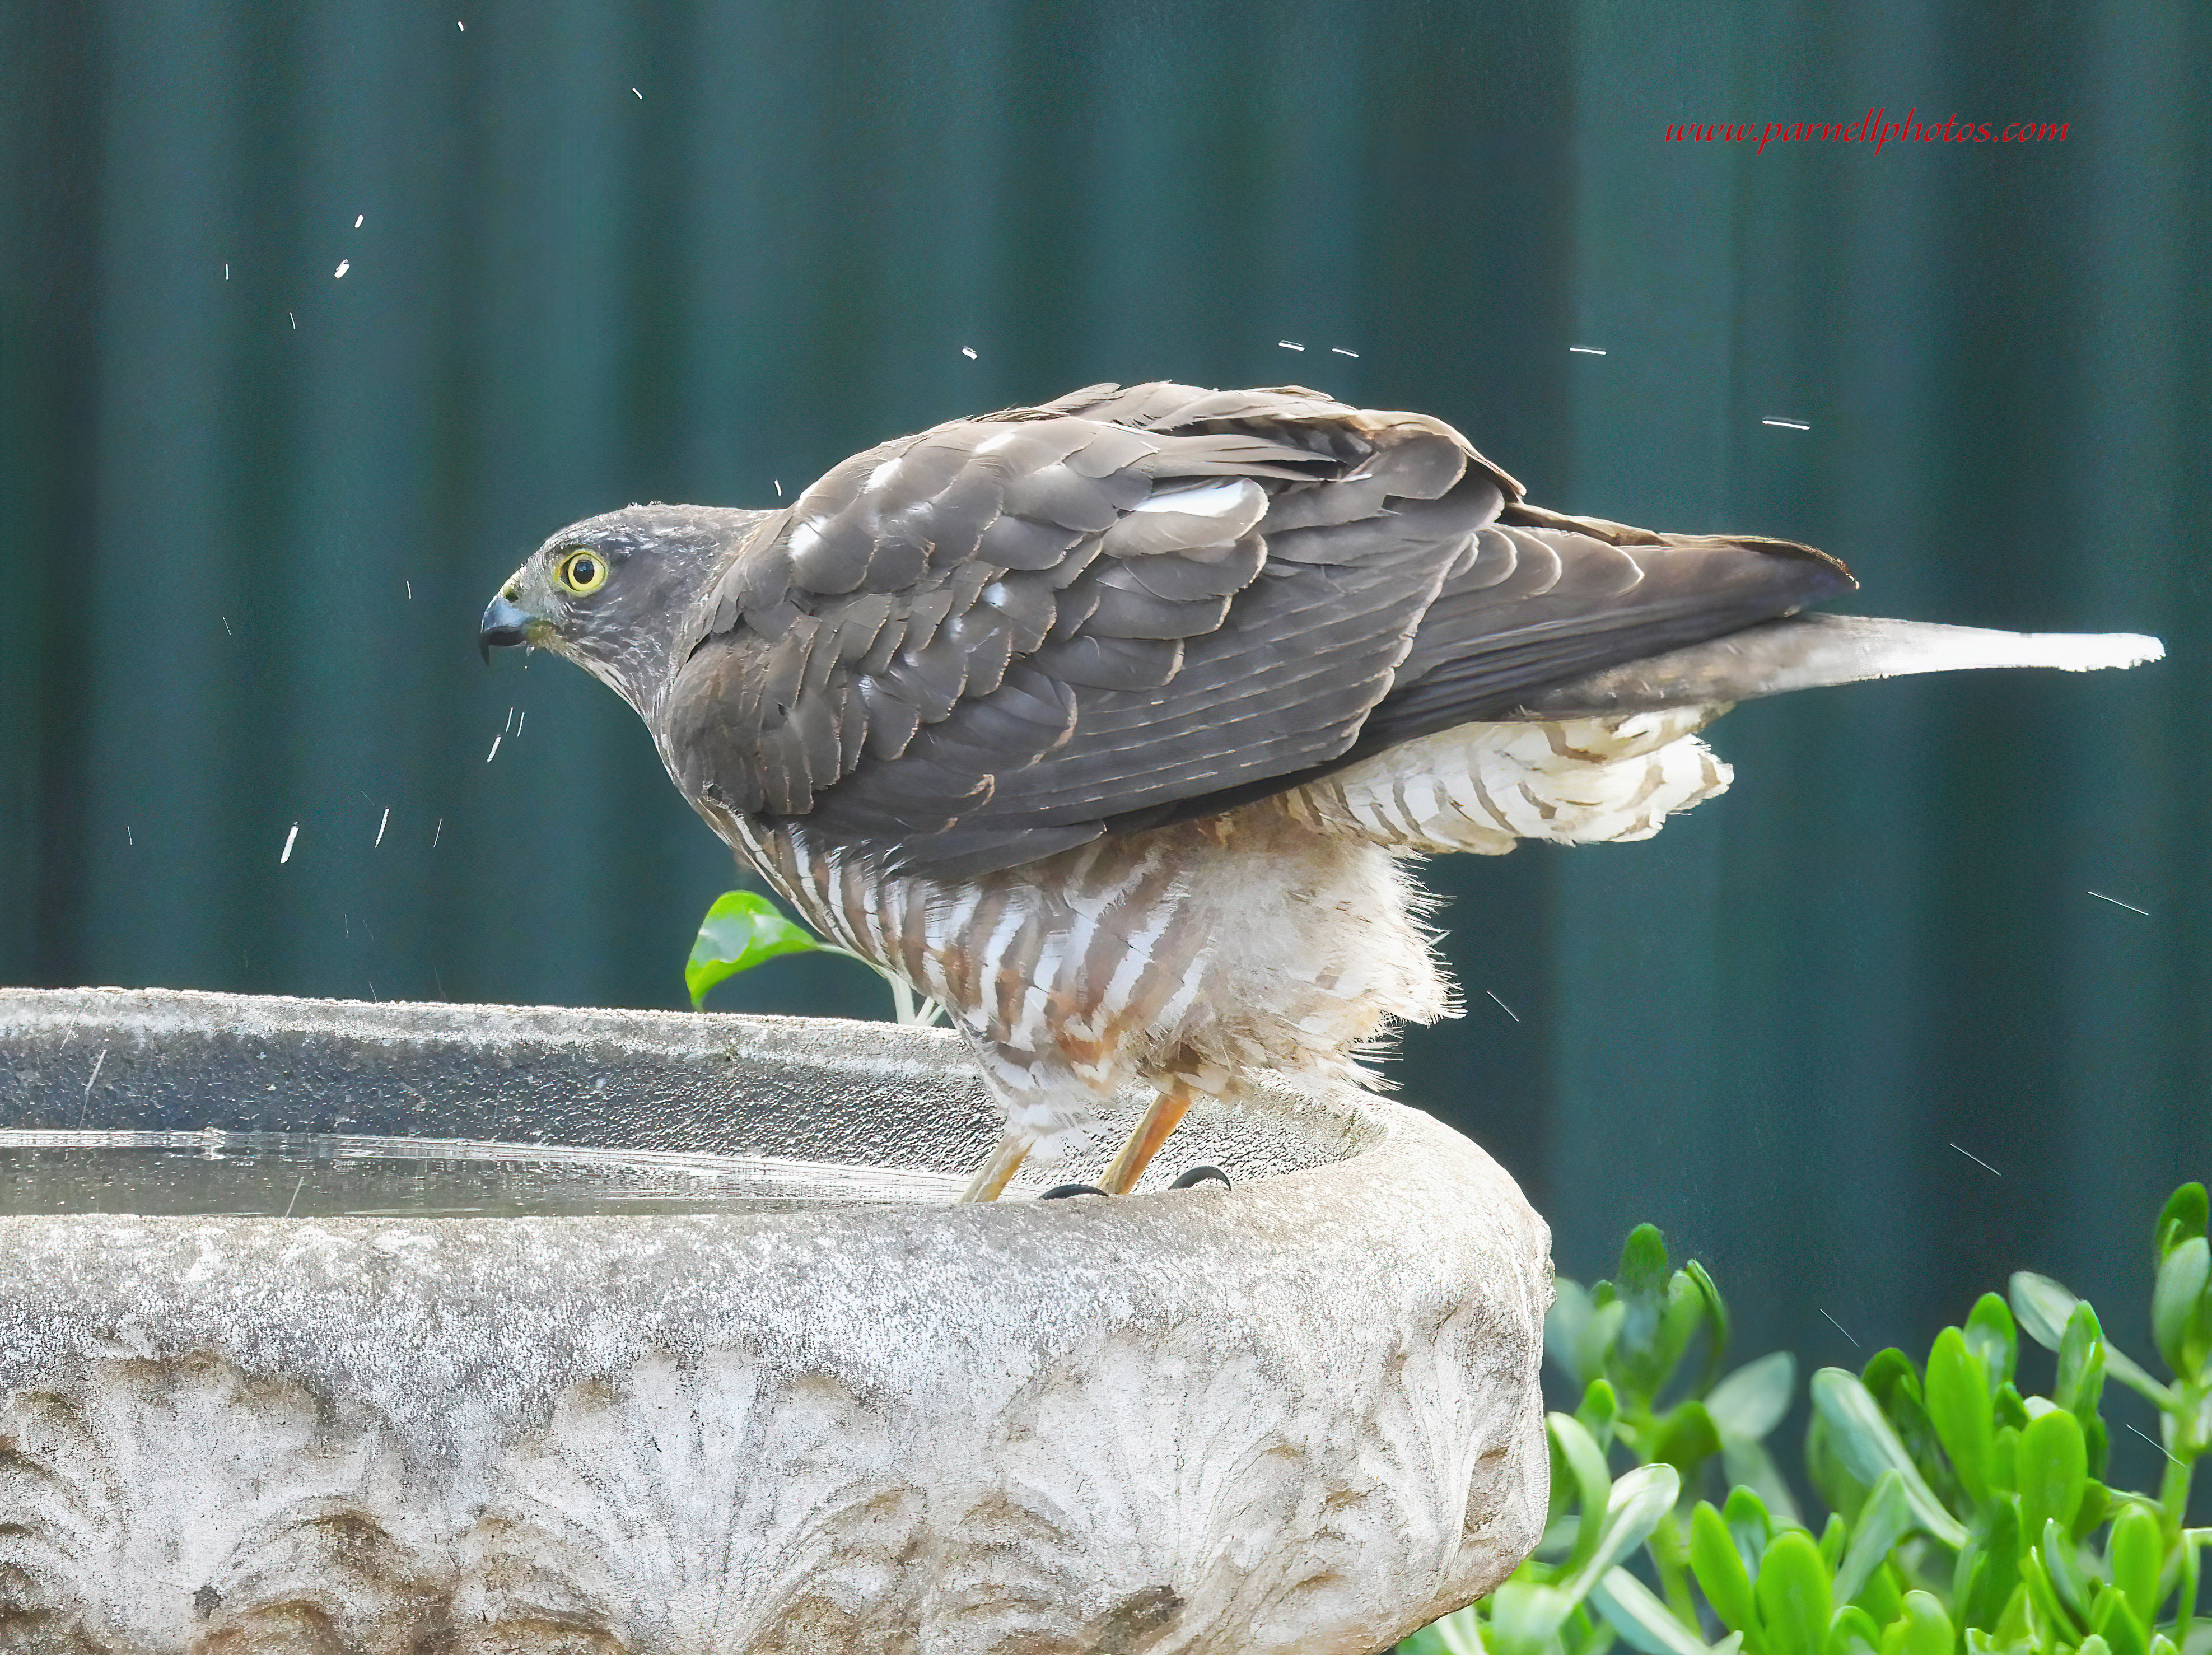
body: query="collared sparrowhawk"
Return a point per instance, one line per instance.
(1112, 724)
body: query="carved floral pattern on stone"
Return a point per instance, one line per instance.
(154, 1502)
(1161, 1495)
(744, 1515)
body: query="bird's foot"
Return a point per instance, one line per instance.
(1190, 1180)
(992, 1177)
(1128, 1165)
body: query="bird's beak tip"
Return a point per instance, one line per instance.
(503, 626)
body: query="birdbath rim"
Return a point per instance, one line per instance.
(714, 1083)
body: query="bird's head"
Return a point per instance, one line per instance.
(611, 593)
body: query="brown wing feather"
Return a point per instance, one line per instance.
(973, 647)
(1539, 605)
(1060, 646)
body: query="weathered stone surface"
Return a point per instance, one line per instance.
(1301, 1415)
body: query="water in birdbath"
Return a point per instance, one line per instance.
(334, 1175)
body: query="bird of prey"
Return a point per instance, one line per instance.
(1114, 724)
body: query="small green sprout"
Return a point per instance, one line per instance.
(743, 929)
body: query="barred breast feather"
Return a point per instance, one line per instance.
(1204, 953)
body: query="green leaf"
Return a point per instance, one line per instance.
(2004, 1457)
(1599, 1348)
(1978, 1638)
(1959, 1408)
(2049, 1610)
(1686, 1438)
(1832, 1543)
(1925, 1629)
(1853, 1631)
(1682, 1312)
(1639, 1499)
(1751, 1401)
(2052, 1468)
(1644, 1263)
(1717, 1316)
(1589, 1633)
(1988, 1567)
(2081, 1382)
(742, 929)
(2064, 1622)
(1749, 1526)
(1895, 1382)
(2043, 1307)
(2137, 1552)
(1831, 1478)
(1563, 1483)
(2062, 1565)
(1633, 1610)
(2193, 1544)
(1883, 1595)
(1601, 1408)
(1663, 1312)
(1583, 1462)
(1721, 1574)
(1886, 1371)
(1863, 1439)
(1525, 1617)
(1991, 1336)
(2096, 1500)
(1793, 1596)
(2015, 1627)
(2181, 1310)
(2185, 1214)
(1457, 1633)
(2100, 1443)
(1565, 1325)
(2093, 1645)
(1885, 1519)
(2114, 1619)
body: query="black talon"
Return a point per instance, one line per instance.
(1060, 1192)
(1199, 1174)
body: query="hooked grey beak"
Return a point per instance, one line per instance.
(502, 627)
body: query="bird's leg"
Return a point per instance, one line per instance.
(993, 1176)
(1128, 1165)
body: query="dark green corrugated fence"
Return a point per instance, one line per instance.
(594, 252)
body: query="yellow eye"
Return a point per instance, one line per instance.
(581, 572)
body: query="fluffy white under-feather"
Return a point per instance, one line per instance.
(1482, 788)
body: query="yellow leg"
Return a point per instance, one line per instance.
(994, 1175)
(1167, 1111)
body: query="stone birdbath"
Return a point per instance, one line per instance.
(760, 1387)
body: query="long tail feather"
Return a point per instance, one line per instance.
(1805, 652)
